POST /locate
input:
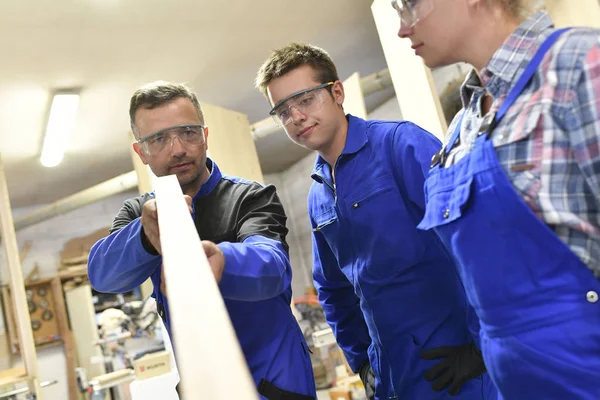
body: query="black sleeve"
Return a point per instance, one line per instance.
(262, 213)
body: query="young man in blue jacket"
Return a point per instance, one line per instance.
(390, 292)
(242, 225)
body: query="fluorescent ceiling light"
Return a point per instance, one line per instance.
(61, 122)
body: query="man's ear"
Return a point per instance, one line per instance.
(140, 152)
(337, 91)
(206, 138)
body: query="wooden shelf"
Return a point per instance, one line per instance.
(13, 376)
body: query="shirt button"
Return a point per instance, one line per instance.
(355, 205)
(592, 296)
(446, 213)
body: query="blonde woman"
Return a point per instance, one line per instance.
(515, 191)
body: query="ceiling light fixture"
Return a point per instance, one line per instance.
(61, 121)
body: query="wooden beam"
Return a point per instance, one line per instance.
(80, 308)
(144, 178)
(209, 358)
(17, 287)
(67, 337)
(413, 82)
(90, 195)
(574, 13)
(230, 142)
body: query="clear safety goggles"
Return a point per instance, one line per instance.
(305, 102)
(188, 135)
(412, 11)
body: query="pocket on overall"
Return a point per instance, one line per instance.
(446, 205)
(556, 362)
(384, 228)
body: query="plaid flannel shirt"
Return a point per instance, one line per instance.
(549, 141)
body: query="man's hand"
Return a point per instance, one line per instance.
(459, 364)
(368, 379)
(216, 259)
(149, 222)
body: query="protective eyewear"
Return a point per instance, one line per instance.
(412, 11)
(189, 136)
(304, 101)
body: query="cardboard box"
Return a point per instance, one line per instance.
(152, 365)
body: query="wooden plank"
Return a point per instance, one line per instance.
(574, 13)
(354, 100)
(67, 337)
(230, 142)
(85, 331)
(11, 252)
(209, 358)
(413, 82)
(9, 316)
(12, 376)
(144, 176)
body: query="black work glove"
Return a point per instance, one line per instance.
(459, 364)
(368, 379)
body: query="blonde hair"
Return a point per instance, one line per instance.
(520, 9)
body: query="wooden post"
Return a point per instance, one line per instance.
(413, 82)
(209, 358)
(230, 143)
(85, 329)
(574, 13)
(67, 337)
(354, 101)
(144, 176)
(17, 287)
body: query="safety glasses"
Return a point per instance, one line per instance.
(188, 135)
(304, 101)
(412, 11)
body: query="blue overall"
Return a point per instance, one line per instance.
(537, 302)
(388, 290)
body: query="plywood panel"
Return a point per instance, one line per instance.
(354, 101)
(413, 82)
(230, 142)
(574, 13)
(209, 358)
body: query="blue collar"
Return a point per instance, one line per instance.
(213, 179)
(356, 139)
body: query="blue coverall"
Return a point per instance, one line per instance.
(388, 290)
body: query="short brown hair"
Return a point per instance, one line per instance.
(292, 56)
(155, 94)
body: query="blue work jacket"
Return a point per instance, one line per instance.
(247, 222)
(388, 290)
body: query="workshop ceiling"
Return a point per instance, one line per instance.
(110, 47)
